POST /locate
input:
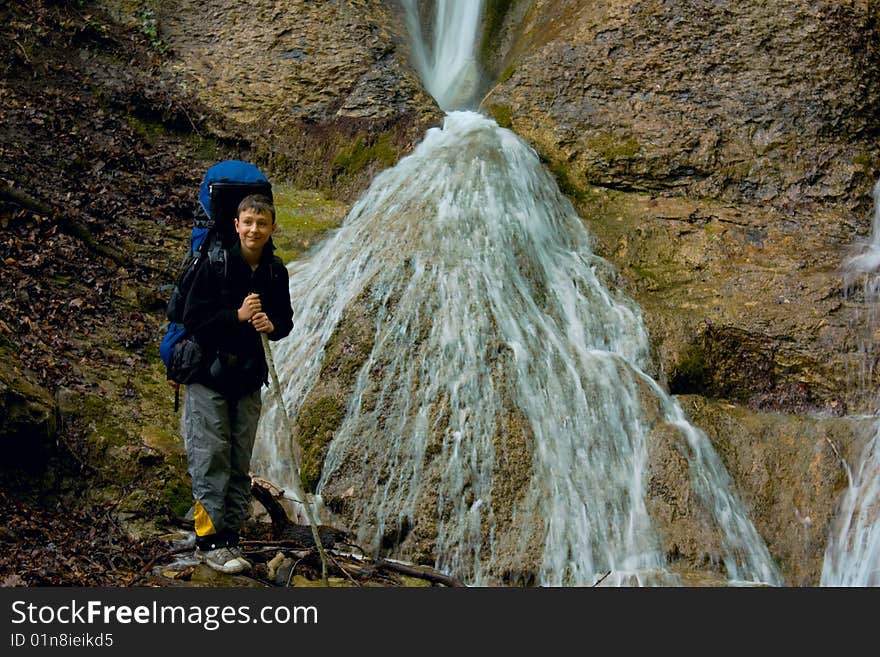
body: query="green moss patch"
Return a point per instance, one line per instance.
(691, 373)
(506, 74)
(176, 496)
(611, 147)
(869, 162)
(149, 131)
(317, 422)
(303, 217)
(501, 113)
(361, 153)
(564, 181)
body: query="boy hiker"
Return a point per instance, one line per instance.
(226, 312)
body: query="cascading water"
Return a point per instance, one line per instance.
(490, 331)
(852, 557)
(868, 259)
(447, 65)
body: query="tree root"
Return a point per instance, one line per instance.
(68, 222)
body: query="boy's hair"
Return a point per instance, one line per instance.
(256, 203)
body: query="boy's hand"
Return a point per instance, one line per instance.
(262, 323)
(249, 307)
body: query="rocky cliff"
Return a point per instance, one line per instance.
(723, 154)
(720, 153)
(322, 89)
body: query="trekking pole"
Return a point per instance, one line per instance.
(297, 488)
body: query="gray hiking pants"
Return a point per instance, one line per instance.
(219, 441)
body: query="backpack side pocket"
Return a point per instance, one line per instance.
(186, 361)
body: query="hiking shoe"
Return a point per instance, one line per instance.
(238, 553)
(223, 560)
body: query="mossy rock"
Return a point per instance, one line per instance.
(176, 496)
(303, 218)
(612, 147)
(28, 418)
(316, 423)
(690, 374)
(501, 113)
(363, 152)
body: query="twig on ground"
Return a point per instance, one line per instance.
(601, 579)
(168, 553)
(344, 571)
(423, 573)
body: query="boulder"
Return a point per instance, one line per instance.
(28, 419)
(790, 472)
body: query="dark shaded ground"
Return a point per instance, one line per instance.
(100, 158)
(46, 546)
(87, 133)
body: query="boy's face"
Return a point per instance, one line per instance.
(254, 229)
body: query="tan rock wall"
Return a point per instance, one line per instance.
(321, 89)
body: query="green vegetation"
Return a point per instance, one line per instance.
(506, 74)
(206, 148)
(303, 217)
(176, 496)
(7, 348)
(360, 154)
(611, 148)
(317, 422)
(153, 131)
(149, 131)
(691, 373)
(869, 162)
(494, 13)
(566, 185)
(501, 114)
(149, 25)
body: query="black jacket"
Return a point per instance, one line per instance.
(233, 362)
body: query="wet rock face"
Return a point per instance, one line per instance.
(722, 154)
(790, 475)
(685, 528)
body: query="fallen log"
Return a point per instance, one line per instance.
(276, 512)
(425, 573)
(287, 534)
(292, 534)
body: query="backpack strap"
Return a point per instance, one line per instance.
(217, 258)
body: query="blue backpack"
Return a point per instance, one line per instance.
(223, 187)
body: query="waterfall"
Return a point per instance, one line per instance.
(868, 259)
(852, 557)
(447, 64)
(861, 272)
(499, 415)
